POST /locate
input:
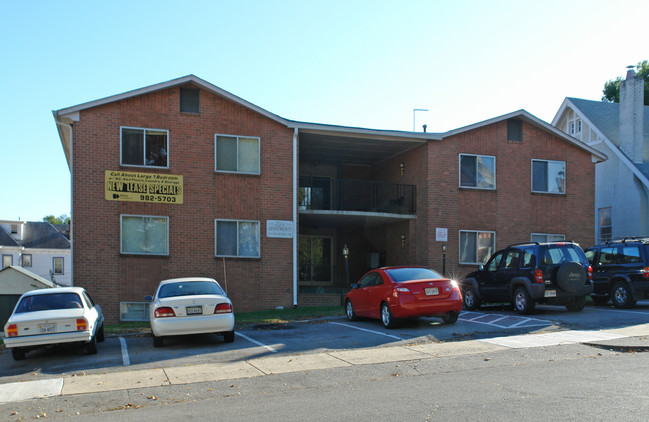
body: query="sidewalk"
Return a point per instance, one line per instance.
(627, 339)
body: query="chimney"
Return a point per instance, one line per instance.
(631, 117)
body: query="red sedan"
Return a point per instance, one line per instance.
(394, 293)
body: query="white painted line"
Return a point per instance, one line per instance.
(368, 331)
(270, 349)
(523, 320)
(125, 359)
(17, 391)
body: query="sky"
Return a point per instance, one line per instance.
(353, 63)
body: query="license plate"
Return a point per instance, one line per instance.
(550, 293)
(431, 291)
(194, 310)
(47, 328)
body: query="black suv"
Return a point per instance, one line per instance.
(620, 271)
(555, 273)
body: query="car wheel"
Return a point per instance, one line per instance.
(600, 300)
(18, 354)
(91, 346)
(349, 310)
(523, 302)
(577, 304)
(157, 341)
(386, 316)
(450, 318)
(621, 296)
(228, 336)
(100, 334)
(471, 301)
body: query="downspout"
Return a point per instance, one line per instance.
(295, 187)
(69, 126)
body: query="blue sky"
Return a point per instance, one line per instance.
(357, 63)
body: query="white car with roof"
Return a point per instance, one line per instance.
(191, 305)
(54, 316)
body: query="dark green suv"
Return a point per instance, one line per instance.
(620, 271)
(525, 274)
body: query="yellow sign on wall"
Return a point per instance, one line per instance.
(144, 187)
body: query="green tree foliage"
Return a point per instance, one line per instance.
(62, 219)
(611, 91)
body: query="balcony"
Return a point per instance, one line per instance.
(324, 193)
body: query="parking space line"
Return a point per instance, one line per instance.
(125, 358)
(366, 330)
(270, 349)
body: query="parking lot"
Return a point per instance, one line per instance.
(137, 351)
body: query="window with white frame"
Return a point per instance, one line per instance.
(236, 154)
(145, 235)
(548, 176)
(134, 311)
(477, 171)
(605, 224)
(547, 237)
(27, 260)
(574, 126)
(7, 261)
(237, 238)
(57, 265)
(476, 246)
(144, 147)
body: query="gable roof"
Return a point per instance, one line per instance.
(15, 280)
(37, 235)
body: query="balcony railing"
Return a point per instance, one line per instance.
(324, 193)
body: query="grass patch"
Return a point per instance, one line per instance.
(128, 328)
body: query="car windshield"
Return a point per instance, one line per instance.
(558, 254)
(190, 288)
(46, 302)
(406, 274)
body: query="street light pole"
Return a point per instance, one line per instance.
(346, 255)
(444, 259)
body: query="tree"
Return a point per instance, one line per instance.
(611, 91)
(62, 219)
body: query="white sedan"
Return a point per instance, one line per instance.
(192, 305)
(54, 316)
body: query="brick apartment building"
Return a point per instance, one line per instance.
(185, 179)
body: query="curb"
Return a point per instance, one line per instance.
(619, 348)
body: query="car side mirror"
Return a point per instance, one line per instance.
(148, 298)
(481, 268)
(354, 286)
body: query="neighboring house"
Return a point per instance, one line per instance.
(14, 281)
(619, 132)
(37, 246)
(191, 180)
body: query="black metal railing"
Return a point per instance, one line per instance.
(323, 193)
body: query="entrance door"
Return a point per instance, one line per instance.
(315, 262)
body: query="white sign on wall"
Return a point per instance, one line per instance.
(441, 234)
(279, 228)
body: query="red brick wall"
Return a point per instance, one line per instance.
(111, 277)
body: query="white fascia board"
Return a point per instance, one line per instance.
(306, 127)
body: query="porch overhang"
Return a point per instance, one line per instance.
(342, 219)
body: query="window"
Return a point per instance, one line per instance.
(494, 262)
(476, 247)
(7, 261)
(134, 311)
(189, 100)
(512, 259)
(574, 126)
(57, 265)
(608, 256)
(315, 259)
(145, 147)
(146, 235)
(545, 237)
(315, 193)
(27, 260)
(237, 154)
(477, 171)
(548, 176)
(237, 238)
(514, 130)
(14, 229)
(631, 255)
(368, 280)
(605, 226)
(528, 258)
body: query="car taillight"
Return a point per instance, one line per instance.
(81, 324)
(401, 291)
(590, 272)
(538, 276)
(223, 308)
(645, 272)
(164, 312)
(12, 330)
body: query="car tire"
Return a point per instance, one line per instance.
(17, 353)
(386, 316)
(450, 318)
(228, 336)
(349, 310)
(91, 346)
(571, 277)
(157, 341)
(600, 300)
(470, 298)
(576, 304)
(621, 296)
(100, 334)
(522, 301)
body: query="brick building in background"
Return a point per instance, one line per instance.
(185, 179)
